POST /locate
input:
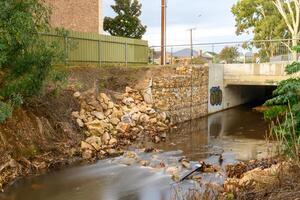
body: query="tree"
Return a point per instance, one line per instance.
(229, 54)
(290, 12)
(25, 59)
(261, 18)
(127, 22)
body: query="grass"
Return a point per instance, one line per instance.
(288, 140)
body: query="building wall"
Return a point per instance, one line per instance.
(77, 15)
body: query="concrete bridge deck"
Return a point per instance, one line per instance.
(265, 74)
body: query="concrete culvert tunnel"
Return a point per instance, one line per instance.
(241, 94)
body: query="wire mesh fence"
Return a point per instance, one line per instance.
(227, 52)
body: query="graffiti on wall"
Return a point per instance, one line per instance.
(216, 96)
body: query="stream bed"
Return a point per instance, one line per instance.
(237, 134)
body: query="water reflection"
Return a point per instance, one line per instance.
(239, 130)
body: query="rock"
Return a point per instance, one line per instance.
(153, 120)
(80, 123)
(104, 98)
(144, 163)
(151, 111)
(95, 142)
(143, 108)
(113, 141)
(126, 119)
(114, 121)
(163, 136)
(156, 139)
(129, 90)
(172, 171)
(144, 118)
(128, 101)
(86, 146)
(104, 105)
(87, 154)
(105, 138)
(113, 152)
(77, 94)
(136, 116)
(131, 154)
(123, 127)
(163, 116)
(197, 177)
(95, 104)
(75, 114)
(13, 163)
(162, 125)
(99, 115)
(128, 161)
(96, 127)
(108, 112)
(116, 113)
(186, 164)
(110, 105)
(147, 93)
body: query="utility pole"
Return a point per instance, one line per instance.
(191, 38)
(163, 33)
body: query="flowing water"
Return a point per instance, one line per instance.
(238, 134)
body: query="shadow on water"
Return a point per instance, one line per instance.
(237, 133)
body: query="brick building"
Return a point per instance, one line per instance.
(77, 15)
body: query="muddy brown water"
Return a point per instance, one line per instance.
(239, 134)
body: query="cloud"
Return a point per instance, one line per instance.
(179, 34)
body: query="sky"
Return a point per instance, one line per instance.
(212, 19)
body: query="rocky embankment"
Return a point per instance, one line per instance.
(111, 122)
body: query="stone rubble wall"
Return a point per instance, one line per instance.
(183, 94)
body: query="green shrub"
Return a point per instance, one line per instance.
(5, 111)
(284, 109)
(25, 58)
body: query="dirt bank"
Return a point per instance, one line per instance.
(42, 134)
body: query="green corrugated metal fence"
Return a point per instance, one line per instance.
(101, 49)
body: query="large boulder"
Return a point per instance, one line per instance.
(86, 146)
(95, 142)
(96, 127)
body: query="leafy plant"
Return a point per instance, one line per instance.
(127, 22)
(285, 107)
(25, 58)
(5, 111)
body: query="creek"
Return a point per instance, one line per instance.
(237, 134)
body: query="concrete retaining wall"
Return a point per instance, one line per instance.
(222, 96)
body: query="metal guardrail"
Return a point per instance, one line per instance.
(251, 51)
